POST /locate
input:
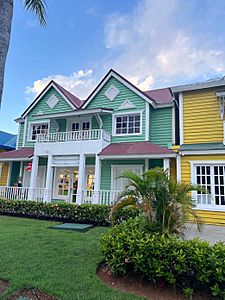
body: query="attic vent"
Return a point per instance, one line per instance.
(52, 101)
(221, 99)
(112, 92)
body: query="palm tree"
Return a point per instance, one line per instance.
(6, 13)
(167, 205)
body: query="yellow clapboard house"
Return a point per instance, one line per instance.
(200, 121)
(7, 143)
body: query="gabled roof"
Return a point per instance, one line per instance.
(124, 81)
(135, 148)
(72, 100)
(7, 140)
(161, 96)
(21, 154)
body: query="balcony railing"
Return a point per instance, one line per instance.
(81, 135)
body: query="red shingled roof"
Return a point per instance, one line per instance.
(73, 99)
(161, 96)
(16, 154)
(134, 148)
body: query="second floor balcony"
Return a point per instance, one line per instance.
(71, 142)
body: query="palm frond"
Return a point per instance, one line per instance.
(129, 201)
(38, 7)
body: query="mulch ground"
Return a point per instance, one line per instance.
(3, 285)
(142, 288)
(31, 295)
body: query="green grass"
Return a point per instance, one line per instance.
(61, 263)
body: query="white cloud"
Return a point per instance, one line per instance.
(162, 42)
(80, 83)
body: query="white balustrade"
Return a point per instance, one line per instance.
(81, 135)
(22, 193)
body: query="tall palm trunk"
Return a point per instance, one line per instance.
(6, 13)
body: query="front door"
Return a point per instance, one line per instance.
(66, 184)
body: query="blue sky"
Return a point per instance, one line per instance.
(153, 43)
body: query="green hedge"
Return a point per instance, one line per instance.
(187, 264)
(85, 213)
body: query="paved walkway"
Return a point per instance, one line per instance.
(210, 233)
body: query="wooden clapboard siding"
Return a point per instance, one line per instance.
(201, 117)
(4, 176)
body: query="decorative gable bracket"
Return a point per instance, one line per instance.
(221, 99)
(112, 92)
(52, 101)
(127, 104)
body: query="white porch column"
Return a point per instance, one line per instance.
(81, 177)
(146, 165)
(166, 165)
(48, 182)
(96, 197)
(33, 178)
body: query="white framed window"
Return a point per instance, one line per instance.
(79, 124)
(118, 184)
(211, 177)
(127, 124)
(38, 128)
(62, 183)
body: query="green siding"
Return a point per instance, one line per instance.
(161, 126)
(94, 123)
(20, 136)
(90, 161)
(15, 172)
(61, 106)
(153, 163)
(100, 100)
(62, 125)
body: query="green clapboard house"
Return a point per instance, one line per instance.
(73, 150)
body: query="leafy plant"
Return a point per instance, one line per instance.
(190, 265)
(166, 204)
(85, 213)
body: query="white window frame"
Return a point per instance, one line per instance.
(31, 124)
(114, 116)
(212, 164)
(57, 171)
(121, 167)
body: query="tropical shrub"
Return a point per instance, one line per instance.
(85, 213)
(189, 265)
(166, 204)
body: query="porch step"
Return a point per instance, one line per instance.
(73, 226)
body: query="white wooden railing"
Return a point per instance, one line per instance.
(103, 197)
(23, 193)
(81, 135)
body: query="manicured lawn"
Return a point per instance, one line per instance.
(61, 263)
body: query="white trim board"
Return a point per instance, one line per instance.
(205, 152)
(147, 121)
(181, 121)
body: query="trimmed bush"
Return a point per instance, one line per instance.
(188, 264)
(85, 213)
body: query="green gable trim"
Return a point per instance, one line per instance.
(202, 147)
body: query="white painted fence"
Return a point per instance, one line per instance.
(104, 197)
(81, 135)
(22, 193)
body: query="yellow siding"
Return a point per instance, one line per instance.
(209, 217)
(201, 117)
(3, 178)
(173, 170)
